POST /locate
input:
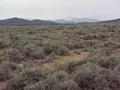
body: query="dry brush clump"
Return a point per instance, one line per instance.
(8, 70)
(34, 51)
(4, 43)
(34, 79)
(25, 78)
(91, 76)
(52, 82)
(13, 55)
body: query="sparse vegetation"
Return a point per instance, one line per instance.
(26, 50)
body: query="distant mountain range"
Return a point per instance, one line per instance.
(111, 21)
(73, 20)
(21, 21)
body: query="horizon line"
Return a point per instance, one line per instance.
(56, 18)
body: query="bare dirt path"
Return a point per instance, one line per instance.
(75, 55)
(3, 85)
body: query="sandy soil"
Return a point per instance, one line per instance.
(75, 55)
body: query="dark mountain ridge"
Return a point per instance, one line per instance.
(112, 21)
(21, 21)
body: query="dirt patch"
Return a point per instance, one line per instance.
(75, 55)
(116, 40)
(3, 85)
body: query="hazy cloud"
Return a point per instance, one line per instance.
(51, 9)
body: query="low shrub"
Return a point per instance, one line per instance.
(90, 76)
(108, 62)
(27, 77)
(48, 49)
(67, 85)
(69, 66)
(8, 70)
(4, 43)
(49, 83)
(62, 50)
(34, 51)
(13, 55)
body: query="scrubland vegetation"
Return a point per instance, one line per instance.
(25, 50)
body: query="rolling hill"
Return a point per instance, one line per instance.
(112, 21)
(21, 21)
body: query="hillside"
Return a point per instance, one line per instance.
(112, 21)
(21, 21)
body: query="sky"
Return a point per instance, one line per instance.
(56, 9)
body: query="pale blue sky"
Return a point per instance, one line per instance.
(53, 9)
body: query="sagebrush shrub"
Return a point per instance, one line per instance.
(91, 76)
(25, 78)
(49, 83)
(13, 55)
(8, 70)
(34, 51)
(4, 43)
(62, 50)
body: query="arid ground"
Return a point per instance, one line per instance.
(60, 57)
